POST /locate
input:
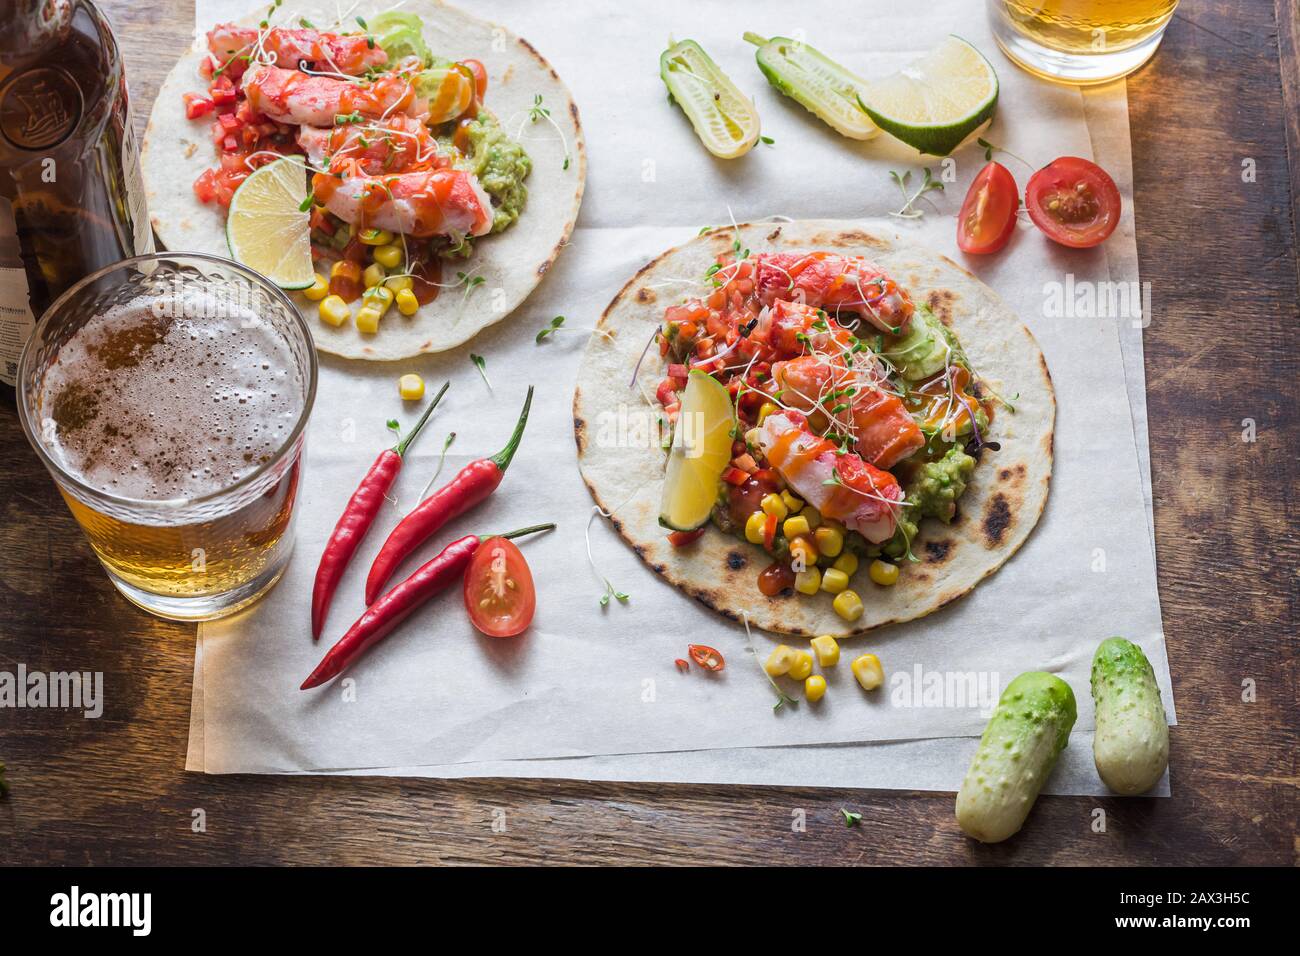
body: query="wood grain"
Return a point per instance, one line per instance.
(1220, 254)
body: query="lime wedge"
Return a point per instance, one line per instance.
(701, 450)
(724, 118)
(934, 103)
(267, 229)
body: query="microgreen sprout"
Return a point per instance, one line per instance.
(538, 111)
(851, 819)
(610, 590)
(451, 437)
(480, 363)
(990, 149)
(928, 184)
(782, 698)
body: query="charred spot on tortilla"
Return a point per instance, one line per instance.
(645, 296)
(736, 561)
(1020, 469)
(936, 552)
(774, 235)
(940, 302)
(997, 518)
(580, 434)
(1005, 474)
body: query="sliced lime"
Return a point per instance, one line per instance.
(934, 103)
(724, 118)
(815, 81)
(268, 229)
(701, 450)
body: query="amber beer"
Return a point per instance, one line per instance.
(170, 410)
(1082, 41)
(71, 197)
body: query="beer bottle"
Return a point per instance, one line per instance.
(71, 197)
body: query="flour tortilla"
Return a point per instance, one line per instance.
(625, 471)
(512, 263)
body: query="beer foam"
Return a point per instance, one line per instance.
(175, 397)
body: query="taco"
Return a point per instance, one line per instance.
(815, 428)
(445, 158)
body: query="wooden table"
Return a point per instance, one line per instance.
(1221, 257)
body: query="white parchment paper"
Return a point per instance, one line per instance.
(600, 684)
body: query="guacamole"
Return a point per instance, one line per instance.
(932, 493)
(501, 165)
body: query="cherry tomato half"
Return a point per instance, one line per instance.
(499, 594)
(988, 213)
(707, 657)
(1074, 201)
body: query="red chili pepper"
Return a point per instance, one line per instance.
(682, 665)
(474, 483)
(769, 532)
(707, 657)
(356, 520)
(680, 539)
(394, 607)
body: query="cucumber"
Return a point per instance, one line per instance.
(923, 349)
(816, 82)
(1131, 743)
(725, 120)
(1025, 735)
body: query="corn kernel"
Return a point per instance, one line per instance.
(791, 502)
(809, 581)
(883, 573)
(847, 562)
(373, 276)
(803, 553)
(389, 256)
(834, 581)
(319, 288)
(830, 540)
(848, 605)
(813, 515)
(827, 650)
(377, 298)
(868, 671)
(368, 320)
(375, 237)
(801, 667)
(795, 526)
(407, 303)
(411, 387)
(773, 505)
(398, 283)
(767, 408)
(814, 688)
(334, 310)
(754, 527)
(780, 660)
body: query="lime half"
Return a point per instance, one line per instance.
(701, 450)
(267, 229)
(934, 103)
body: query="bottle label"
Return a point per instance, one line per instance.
(16, 320)
(142, 238)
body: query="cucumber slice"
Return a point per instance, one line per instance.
(817, 83)
(724, 118)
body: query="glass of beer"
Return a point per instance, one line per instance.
(1080, 41)
(168, 395)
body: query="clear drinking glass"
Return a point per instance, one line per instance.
(1080, 41)
(168, 395)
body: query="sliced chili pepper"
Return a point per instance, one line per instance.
(682, 665)
(471, 485)
(680, 539)
(357, 518)
(707, 657)
(769, 532)
(394, 607)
